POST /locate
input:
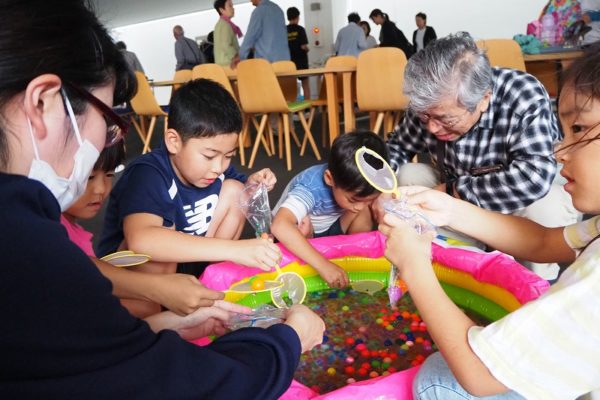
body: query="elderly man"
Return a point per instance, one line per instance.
(489, 133)
(187, 52)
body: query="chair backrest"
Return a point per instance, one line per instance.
(144, 103)
(505, 53)
(339, 61)
(289, 85)
(380, 78)
(183, 75)
(259, 89)
(214, 72)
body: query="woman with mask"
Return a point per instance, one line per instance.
(64, 334)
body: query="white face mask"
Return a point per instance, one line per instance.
(66, 190)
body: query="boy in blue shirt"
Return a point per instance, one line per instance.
(325, 200)
(179, 203)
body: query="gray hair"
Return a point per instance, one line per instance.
(451, 67)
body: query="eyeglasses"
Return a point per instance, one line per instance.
(563, 147)
(116, 127)
(446, 122)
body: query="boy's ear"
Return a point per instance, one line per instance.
(173, 141)
(328, 178)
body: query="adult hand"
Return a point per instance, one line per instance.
(183, 294)
(404, 246)
(308, 325)
(264, 176)
(437, 206)
(207, 321)
(335, 276)
(260, 253)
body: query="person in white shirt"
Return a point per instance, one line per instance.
(550, 347)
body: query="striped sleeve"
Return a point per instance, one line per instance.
(550, 347)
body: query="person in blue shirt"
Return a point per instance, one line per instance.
(325, 200)
(184, 195)
(267, 33)
(64, 334)
(350, 40)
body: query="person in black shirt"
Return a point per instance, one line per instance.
(424, 34)
(390, 35)
(298, 43)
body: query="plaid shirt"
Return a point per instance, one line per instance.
(517, 132)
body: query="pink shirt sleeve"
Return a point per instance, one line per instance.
(79, 236)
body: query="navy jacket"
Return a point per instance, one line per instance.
(65, 336)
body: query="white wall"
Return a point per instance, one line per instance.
(153, 41)
(484, 19)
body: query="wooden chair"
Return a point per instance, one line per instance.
(289, 87)
(144, 105)
(321, 102)
(505, 53)
(260, 93)
(379, 82)
(183, 75)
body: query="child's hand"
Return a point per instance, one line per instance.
(259, 253)
(183, 294)
(308, 325)
(404, 246)
(335, 276)
(264, 176)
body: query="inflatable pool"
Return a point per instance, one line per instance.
(489, 284)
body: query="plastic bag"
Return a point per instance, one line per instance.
(254, 202)
(401, 209)
(261, 317)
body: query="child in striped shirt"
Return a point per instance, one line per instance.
(549, 348)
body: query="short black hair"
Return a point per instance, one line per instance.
(292, 13)
(342, 164)
(354, 17)
(219, 4)
(121, 45)
(111, 157)
(203, 108)
(421, 15)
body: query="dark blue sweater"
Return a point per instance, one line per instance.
(64, 335)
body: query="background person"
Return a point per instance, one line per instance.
(267, 33)
(423, 34)
(227, 48)
(371, 41)
(350, 40)
(130, 57)
(298, 43)
(187, 52)
(390, 35)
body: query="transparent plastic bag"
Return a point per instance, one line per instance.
(254, 202)
(261, 317)
(401, 209)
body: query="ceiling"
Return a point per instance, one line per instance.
(116, 13)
